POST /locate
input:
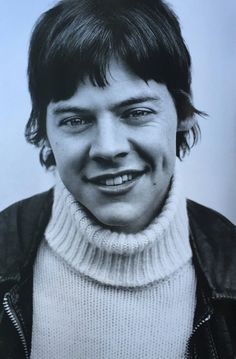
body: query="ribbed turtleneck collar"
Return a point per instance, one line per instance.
(120, 259)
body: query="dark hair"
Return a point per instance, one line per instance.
(78, 38)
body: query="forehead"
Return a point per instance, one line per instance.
(122, 85)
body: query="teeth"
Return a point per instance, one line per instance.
(124, 178)
(117, 180)
(110, 182)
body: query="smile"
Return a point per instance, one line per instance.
(116, 179)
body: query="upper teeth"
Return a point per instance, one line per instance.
(117, 180)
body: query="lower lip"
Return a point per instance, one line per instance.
(119, 189)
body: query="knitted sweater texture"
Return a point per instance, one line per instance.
(102, 294)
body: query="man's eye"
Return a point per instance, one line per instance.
(75, 122)
(136, 114)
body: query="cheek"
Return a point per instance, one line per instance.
(168, 137)
(70, 156)
(162, 151)
(160, 143)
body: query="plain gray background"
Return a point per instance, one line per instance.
(209, 173)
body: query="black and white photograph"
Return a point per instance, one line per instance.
(117, 186)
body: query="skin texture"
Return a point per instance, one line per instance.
(95, 133)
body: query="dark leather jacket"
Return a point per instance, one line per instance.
(213, 241)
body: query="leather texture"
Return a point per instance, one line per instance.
(213, 242)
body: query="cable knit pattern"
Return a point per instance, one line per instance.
(117, 258)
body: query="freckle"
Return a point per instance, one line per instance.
(154, 183)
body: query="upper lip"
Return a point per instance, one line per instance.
(114, 174)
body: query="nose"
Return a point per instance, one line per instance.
(110, 140)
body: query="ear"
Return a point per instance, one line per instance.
(186, 124)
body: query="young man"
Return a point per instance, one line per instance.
(113, 262)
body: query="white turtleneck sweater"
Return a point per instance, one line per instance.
(108, 295)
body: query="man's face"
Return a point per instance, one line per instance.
(115, 147)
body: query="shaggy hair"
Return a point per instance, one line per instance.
(78, 38)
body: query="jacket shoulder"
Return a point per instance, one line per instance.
(209, 219)
(213, 240)
(23, 213)
(20, 224)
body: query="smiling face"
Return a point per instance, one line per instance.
(115, 147)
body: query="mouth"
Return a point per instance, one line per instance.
(116, 179)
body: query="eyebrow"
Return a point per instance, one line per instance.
(129, 102)
(134, 100)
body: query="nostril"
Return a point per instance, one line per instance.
(108, 152)
(102, 159)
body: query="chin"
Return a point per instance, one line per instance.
(116, 220)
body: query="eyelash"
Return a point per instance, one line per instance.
(137, 113)
(74, 121)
